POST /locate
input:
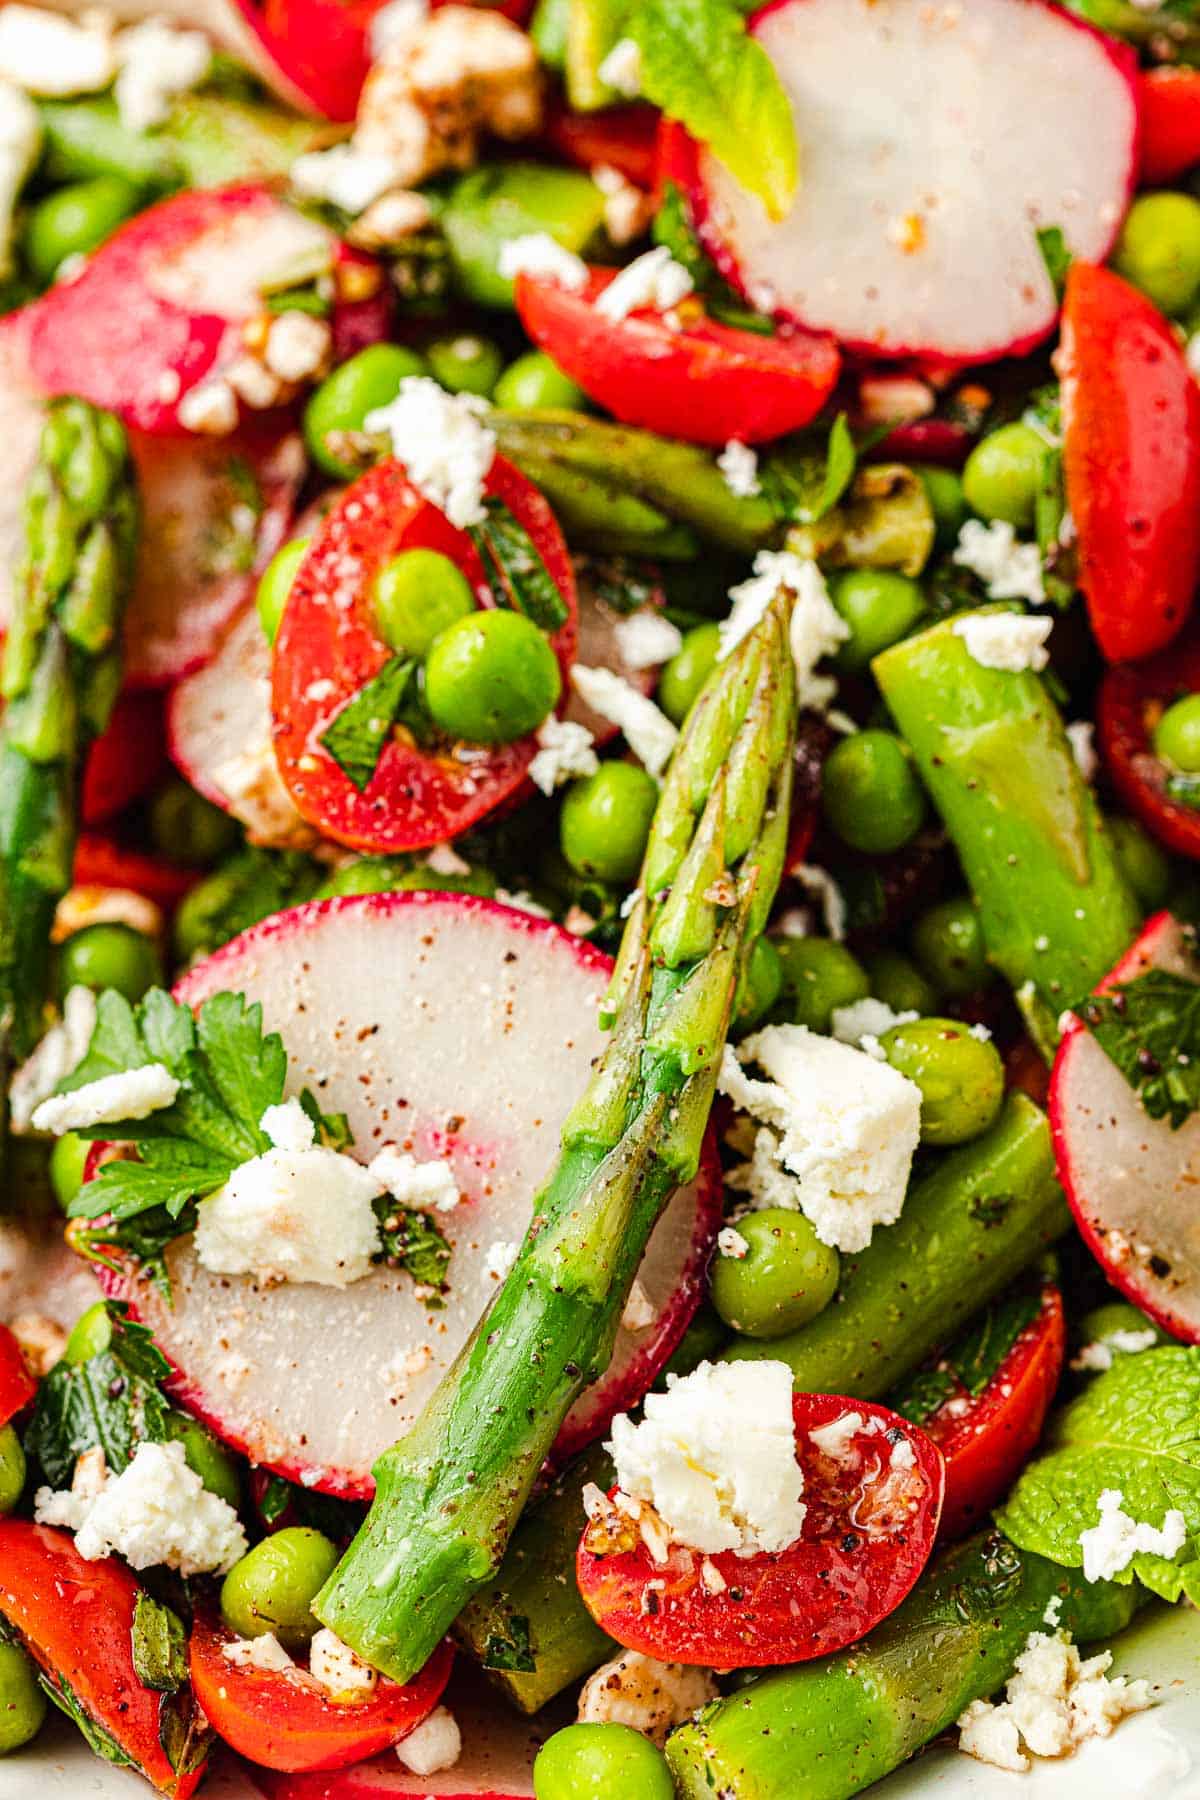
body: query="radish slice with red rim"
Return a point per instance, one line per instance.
(460, 1029)
(1130, 1179)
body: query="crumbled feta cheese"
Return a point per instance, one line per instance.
(334, 1666)
(564, 753)
(20, 144)
(209, 408)
(649, 1696)
(60, 1052)
(288, 1127)
(388, 221)
(1009, 570)
(1053, 1612)
(436, 1744)
(627, 209)
(158, 61)
(257, 794)
(980, 1033)
(646, 638)
(394, 21)
(653, 280)
(903, 1455)
(647, 730)
(499, 1259)
(297, 346)
(46, 54)
(522, 902)
(730, 1242)
(738, 463)
(1099, 1355)
(1081, 735)
(823, 887)
(1011, 641)
(639, 1311)
(130, 1094)
(815, 631)
(1053, 1702)
(345, 177)
(1111, 1545)
(537, 253)
(841, 1124)
(157, 1511)
(265, 1652)
(715, 1455)
(621, 69)
(427, 1186)
(292, 1215)
(444, 859)
(834, 1440)
(443, 443)
(866, 1018)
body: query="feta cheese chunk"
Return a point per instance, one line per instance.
(647, 638)
(841, 1125)
(1098, 1356)
(436, 1744)
(738, 463)
(157, 62)
(816, 630)
(1011, 641)
(730, 1242)
(649, 1696)
(823, 887)
(443, 443)
(564, 753)
(647, 730)
(834, 1440)
(499, 1259)
(621, 69)
(334, 1666)
(60, 1052)
(49, 55)
(1111, 1545)
(265, 1652)
(537, 253)
(345, 176)
(1009, 570)
(864, 1019)
(715, 1455)
(653, 281)
(156, 1512)
(1081, 735)
(131, 1094)
(1054, 1701)
(426, 1186)
(288, 1127)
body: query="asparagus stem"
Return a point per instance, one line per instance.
(448, 1496)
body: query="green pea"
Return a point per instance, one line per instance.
(1159, 249)
(491, 678)
(870, 792)
(688, 670)
(1177, 734)
(605, 821)
(961, 1077)
(761, 985)
(12, 1468)
(818, 975)
(275, 1584)
(601, 1762)
(206, 1457)
(75, 219)
(394, 874)
(786, 1277)
(493, 204)
(897, 981)
(879, 606)
(188, 828)
(275, 584)
(1144, 863)
(110, 955)
(535, 383)
(1002, 475)
(417, 595)
(22, 1701)
(947, 942)
(465, 364)
(944, 491)
(354, 389)
(67, 1161)
(90, 1335)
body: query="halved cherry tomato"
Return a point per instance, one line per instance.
(75, 1619)
(1131, 456)
(17, 1385)
(868, 1533)
(622, 137)
(986, 1434)
(102, 862)
(286, 1721)
(127, 760)
(1129, 702)
(327, 649)
(320, 45)
(693, 379)
(1170, 122)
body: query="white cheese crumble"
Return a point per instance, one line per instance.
(444, 859)
(393, 23)
(815, 631)
(499, 1259)
(1081, 735)
(157, 1511)
(1111, 1545)
(834, 1440)
(1008, 569)
(20, 144)
(639, 1311)
(821, 885)
(647, 730)
(738, 463)
(715, 1455)
(627, 209)
(265, 1652)
(60, 1052)
(653, 280)
(645, 639)
(345, 176)
(297, 346)
(52, 56)
(443, 443)
(288, 1127)
(536, 253)
(334, 1666)
(1053, 1702)
(730, 1242)
(1099, 1355)
(130, 1094)
(843, 1126)
(436, 1744)
(649, 1696)
(209, 408)
(157, 62)
(866, 1019)
(427, 1186)
(621, 69)
(1010, 641)
(565, 753)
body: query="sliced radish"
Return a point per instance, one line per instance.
(913, 227)
(1130, 1179)
(459, 1028)
(599, 647)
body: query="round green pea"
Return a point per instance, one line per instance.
(1116, 1315)
(535, 383)
(1144, 863)
(12, 1468)
(761, 987)
(1177, 734)
(110, 956)
(354, 389)
(394, 874)
(879, 606)
(818, 975)
(601, 1762)
(961, 1077)
(947, 942)
(417, 595)
(870, 792)
(491, 677)
(465, 364)
(786, 1277)
(90, 1335)
(275, 584)
(188, 828)
(1002, 474)
(67, 1161)
(22, 1701)
(605, 821)
(206, 1457)
(75, 219)
(944, 491)
(688, 670)
(1159, 249)
(897, 981)
(275, 1584)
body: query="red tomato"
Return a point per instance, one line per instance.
(696, 379)
(74, 1618)
(327, 636)
(127, 760)
(285, 1721)
(101, 862)
(321, 46)
(1026, 1069)
(1131, 455)
(867, 1535)
(1170, 122)
(623, 137)
(17, 1385)
(1129, 702)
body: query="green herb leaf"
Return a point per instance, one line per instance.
(183, 1732)
(511, 1649)
(1150, 1027)
(923, 1394)
(673, 229)
(840, 462)
(516, 573)
(98, 1739)
(159, 1645)
(972, 1362)
(357, 736)
(113, 1401)
(145, 1236)
(413, 1242)
(338, 1519)
(247, 1067)
(333, 1129)
(1055, 255)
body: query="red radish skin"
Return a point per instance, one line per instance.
(912, 230)
(314, 1382)
(1130, 699)
(1130, 1179)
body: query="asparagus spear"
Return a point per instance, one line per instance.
(448, 1496)
(60, 676)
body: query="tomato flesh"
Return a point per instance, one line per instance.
(127, 760)
(17, 1385)
(1170, 122)
(101, 861)
(621, 137)
(1129, 702)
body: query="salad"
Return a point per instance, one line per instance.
(599, 811)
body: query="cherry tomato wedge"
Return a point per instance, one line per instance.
(322, 46)
(1129, 702)
(75, 1619)
(286, 1721)
(868, 1533)
(327, 650)
(693, 379)
(101, 861)
(1170, 122)
(127, 760)
(17, 1385)
(1131, 456)
(621, 137)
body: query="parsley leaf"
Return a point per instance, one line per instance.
(412, 1241)
(144, 1236)
(113, 1401)
(516, 573)
(356, 737)
(1150, 1027)
(972, 1361)
(511, 1650)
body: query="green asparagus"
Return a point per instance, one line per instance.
(448, 1496)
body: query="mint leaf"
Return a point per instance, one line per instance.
(97, 1737)
(1150, 1027)
(113, 1400)
(1136, 1429)
(516, 573)
(971, 1363)
(159, 1645)
(511, 1650)
(356, 737)
(840, 462)
(143, 1235)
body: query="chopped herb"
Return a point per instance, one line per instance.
(98, 1740)
(113, 1402)
(159, 1645)
(183, 1732)
(413, 1242)
(1055, 255)
(972, 1361)
(516, 573)
(357, 736)
(512, 1650)
(280, 1499)
(145, 1237)
(1183, 788)
(333, 1129)
(1150, 1028)
(299, 299)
